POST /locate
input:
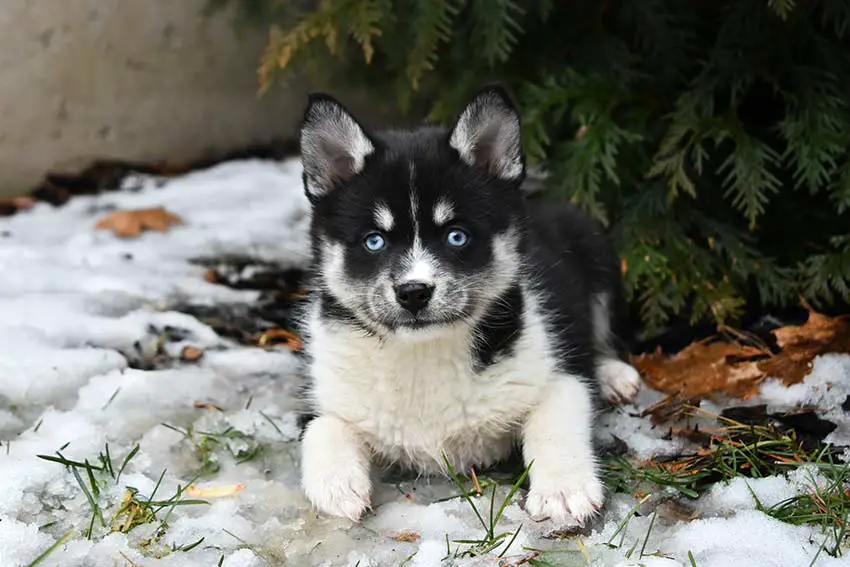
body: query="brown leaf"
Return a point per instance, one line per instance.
(131, 223)
(713, 367)
(207, 405)
(702, 369)
(409, 536)
(280, 336)
(191, 354)
(800, 344)
(11, 206)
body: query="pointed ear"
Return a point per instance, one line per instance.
(334, 146)
(488, 135)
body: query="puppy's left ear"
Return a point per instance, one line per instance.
(487, 134)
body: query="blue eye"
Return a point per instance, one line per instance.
(457, 238)
(374, 242)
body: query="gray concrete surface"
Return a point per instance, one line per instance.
(130, 79)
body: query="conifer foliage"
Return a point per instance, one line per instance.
(711, 136)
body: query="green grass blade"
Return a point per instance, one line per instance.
(512, 492)
(464, 494)
(126, 461)
(51, 549)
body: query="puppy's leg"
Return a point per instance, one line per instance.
(619, 382)
(335, 468)
(557, 437)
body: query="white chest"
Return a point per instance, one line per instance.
(414, 401)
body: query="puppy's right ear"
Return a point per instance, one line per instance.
(334, 146)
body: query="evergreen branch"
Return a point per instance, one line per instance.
(840, 188)
(825, 276)
(814, 130)
(431, 25)
(782, 8)
(496, 28)
(366, 18)
(748, 176)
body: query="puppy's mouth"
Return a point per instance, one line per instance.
(415, 324)
(409, 322)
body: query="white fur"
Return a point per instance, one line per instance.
(414, 204)
(618, 382)
(443, 212)
(600, 314)
(412, 401)
(556, 440)
(333, 269)
(421, 266)
(384, 218)
(336, 465)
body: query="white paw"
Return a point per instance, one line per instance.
(618, 381)
(344, 492)
(335, 469)
(565, 499)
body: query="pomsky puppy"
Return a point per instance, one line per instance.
(450, 316)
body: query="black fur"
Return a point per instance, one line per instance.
(498, 330)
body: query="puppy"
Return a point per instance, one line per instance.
(451, 319)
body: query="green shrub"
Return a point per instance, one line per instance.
(711, 136)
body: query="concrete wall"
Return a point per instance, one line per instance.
(131, 79)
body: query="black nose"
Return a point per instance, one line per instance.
(413, 296)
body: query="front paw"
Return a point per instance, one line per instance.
(344, 491)
(619, 382)
(566, 499)
(335, 469)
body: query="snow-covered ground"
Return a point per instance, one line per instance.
(75, 302)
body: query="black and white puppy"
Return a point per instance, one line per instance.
(449, 318)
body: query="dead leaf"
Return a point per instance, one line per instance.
(217, 491)
(800, 345)
(131, 223)
(274, 336)
(702, 369)
(713, 367)
(207, 405)
(191, 354)
(409, 536)
(11, 206)
(677, 511)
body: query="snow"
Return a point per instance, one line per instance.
(826, 387)
(78, 306)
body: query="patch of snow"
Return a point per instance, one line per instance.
(738, 494)
(825, 388)
(643, 438)
(748, 538)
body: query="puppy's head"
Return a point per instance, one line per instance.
(415, 232)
